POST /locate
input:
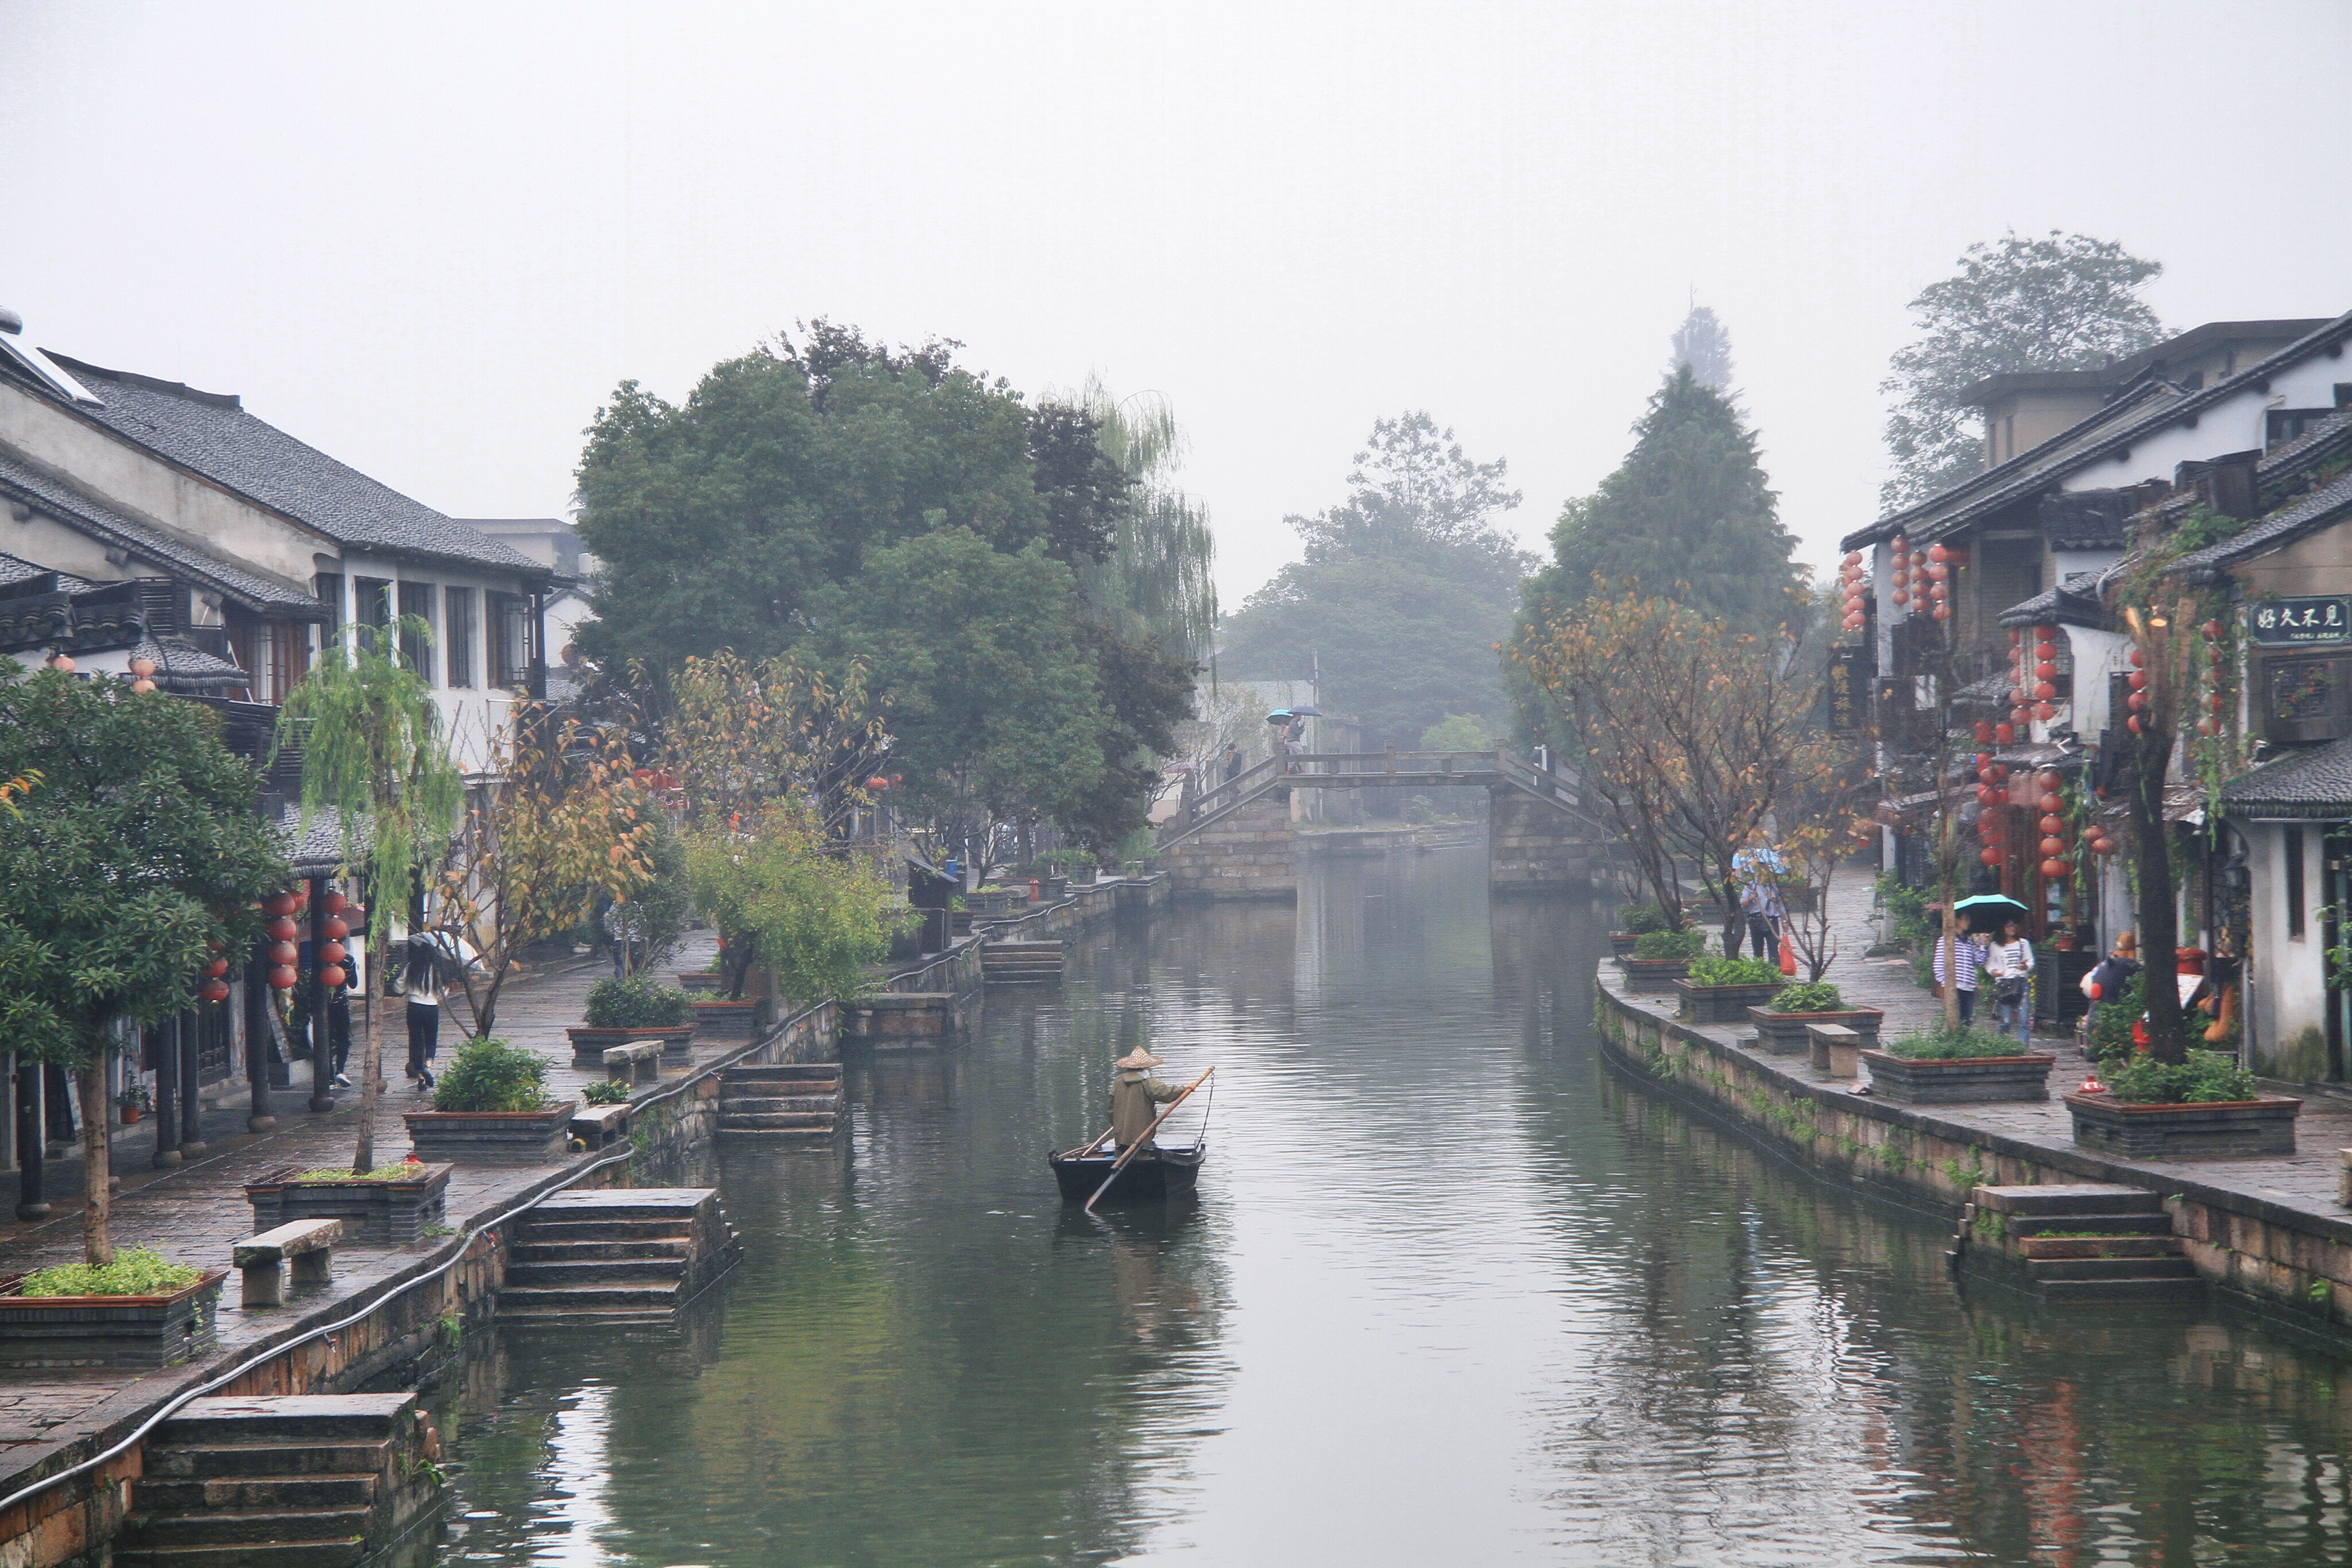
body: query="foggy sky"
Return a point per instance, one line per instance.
(431, 239)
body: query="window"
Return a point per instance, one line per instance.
(509, 629)
(2282, 425)
(457, 635)
(331, 594)
(371, 603)
(417, 648)
(2293, 837)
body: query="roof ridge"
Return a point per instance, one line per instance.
(152, 384)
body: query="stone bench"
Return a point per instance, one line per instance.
(307, 1244)
(1837, 1050)
(597, 1126)
(639, 1061)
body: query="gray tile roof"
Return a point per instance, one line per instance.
(2077, 597)
(2144, 409)
(2329, 504)
(20, 482)
(212, 434)
(314, 848)
(2317, 783)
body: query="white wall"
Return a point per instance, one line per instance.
(2290, 973)
(2233, 425)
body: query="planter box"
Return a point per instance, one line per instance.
(589, 1045)
(703, 980)
(374, 1213)
(1783, 1034)
(1620, 943)
(108, 1331)
(1057, 888)
(2219, 1129)
(995, 905)
(1655, 974)
(727, 1020)
(490, 1138)
(1723, 1003)
(1960, 1081)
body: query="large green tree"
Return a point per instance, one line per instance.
(1404, 589)
(2058, 302)
(129, 867)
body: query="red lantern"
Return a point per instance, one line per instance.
(334, 903)
(333, 977)
(1938, 572)
(2045, 671)
(283, 929)
(2102, 846)
(2133, 722)
(336, 929)
(2138, 701)
(2054, 870)
(283, 952)
(2207, 726)
(2045, 649)
(2046, 633)
(2044, 691)
(2053, 847)
(283, 978)
(1991, 857)
(1987, 795)
(1902, 596)
(2137, 680)
(2214, 702)
(214, 990)
(2045, 711)
(332, 953)
(2051, 781)
(1943, 611)
(1988, 777)
(2051, 805)
(2139, 657)
(2212, 631)
(2051, 823)
(1984, 732)
(278, 904)
(2004, 732)
(216, 968)
(1940, 592)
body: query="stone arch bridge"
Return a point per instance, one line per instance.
(1234, 839)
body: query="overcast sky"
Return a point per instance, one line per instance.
(430, 239)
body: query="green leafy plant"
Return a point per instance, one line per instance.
(2206, 1077)
(136, 1272)
(380, 1173)
(2111, 1022)
(1819, 996)
(815, 915)
(492, 1075)
(1667, 945)
(1950, 1044)
(1641, 919)
(1909, 906)
(639, 1001)
(1708, 969)
(606, 1092)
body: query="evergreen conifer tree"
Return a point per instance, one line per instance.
(1704, 344)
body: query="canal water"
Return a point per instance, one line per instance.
(1450, 1294)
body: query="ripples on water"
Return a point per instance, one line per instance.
(1452, 1294)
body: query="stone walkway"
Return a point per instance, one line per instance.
(2304, 1181)
(195, 1212)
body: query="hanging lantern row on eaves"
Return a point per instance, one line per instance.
(285, 935)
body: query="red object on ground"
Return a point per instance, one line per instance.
(1788, 959)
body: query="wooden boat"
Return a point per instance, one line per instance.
(1163, 1172)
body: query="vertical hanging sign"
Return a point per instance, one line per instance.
(1846, 696)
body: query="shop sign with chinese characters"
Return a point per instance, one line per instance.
(2289, 621)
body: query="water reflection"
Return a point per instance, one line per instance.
(1451, 1293)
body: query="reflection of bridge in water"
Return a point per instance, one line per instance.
(1233, 839)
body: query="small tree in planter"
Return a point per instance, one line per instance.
(1781, 1023)
(1718, 990)
(372, 749)
(1663, 956)
(491, 1107)
(1952, 1066)
(1634, 922)
(129, 863)
(2205, 1106)
(637, 1006)
(814, 915)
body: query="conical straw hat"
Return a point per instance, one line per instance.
(1139, 1059)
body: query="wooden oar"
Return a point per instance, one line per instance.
(1136, 1147)
(1090, 1146)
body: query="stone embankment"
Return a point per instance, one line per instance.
(2267, 1231)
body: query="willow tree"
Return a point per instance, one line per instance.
(373, 751)
(1156, 579)
(131, 860)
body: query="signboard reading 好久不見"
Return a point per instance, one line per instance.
(2327, 619)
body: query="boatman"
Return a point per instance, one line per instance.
(1133, 1094)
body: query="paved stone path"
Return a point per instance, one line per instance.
(195, 1212)
(2303, 1181)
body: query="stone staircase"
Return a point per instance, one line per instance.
(289, 1482)
(2087, 1243)
(619, 1257)
(1021, 963)
(795, 1104)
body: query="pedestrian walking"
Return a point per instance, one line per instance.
(2009, 964)
(1759, 867)
(1966, 955)
(425, 979)
(1233, 763)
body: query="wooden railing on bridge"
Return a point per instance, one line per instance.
(1386, 770)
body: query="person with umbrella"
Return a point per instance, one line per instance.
(2009, 962)
(1759, 868)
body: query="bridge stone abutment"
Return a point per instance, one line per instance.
(1533, 846)
(1244, 854)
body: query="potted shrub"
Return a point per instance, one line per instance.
(2200, 1108)
(1957, 1067)
(1721, 990)
(713, 979)
(998, 899)
(141, 1310)
(491, 1108)
(1662, 958)
(391, 1205)
(638, 1008)
(1638, 920)
(133, 1100)
(1781, 1023)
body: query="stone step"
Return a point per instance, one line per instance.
(243, 1554)
(149, 1531)
(649, 1296)
(788, 1073)
(596, 1271)
(286, 1418)
(623, 1203)
(589, 1317)
(757, 1105)
(746, 1121)
(166, 1494)
(265, 1460)
(783, 1135)
(2167, 1289)
(2086, 1198)
(2050, 1269)
(559, 1249)
(541, 1230)
(2091, 1224)
(2099, 1246)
